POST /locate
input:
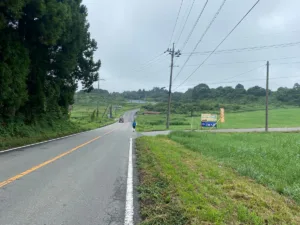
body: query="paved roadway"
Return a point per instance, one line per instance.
(248, 130)
(80, 180)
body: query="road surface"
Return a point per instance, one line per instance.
(80, 180)
(246, 130)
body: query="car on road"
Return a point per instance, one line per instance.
(121, 120)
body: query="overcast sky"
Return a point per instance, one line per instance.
(131, 33)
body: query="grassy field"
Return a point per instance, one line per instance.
(181, 186)
(272, 159)
(19, 134)
(277, 118)
(82, 115)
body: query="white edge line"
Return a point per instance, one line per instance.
(129, 190)
(43, 142)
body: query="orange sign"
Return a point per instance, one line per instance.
(222, 115)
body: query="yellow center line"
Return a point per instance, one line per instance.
(14, 178)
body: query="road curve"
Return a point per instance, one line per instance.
(80, 180)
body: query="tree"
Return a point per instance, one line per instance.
(201, 91)
(14, 67)
(256, 91)
(45, 51)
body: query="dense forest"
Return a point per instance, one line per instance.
(45, 50)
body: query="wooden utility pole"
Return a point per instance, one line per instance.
(267, 98)
(110, 111)
(98, 94)
(173, 54)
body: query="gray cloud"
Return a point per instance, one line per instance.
(130, 33)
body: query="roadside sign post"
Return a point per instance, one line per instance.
(192, 120)
(222, 115)
(209, 120)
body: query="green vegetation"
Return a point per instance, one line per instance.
(285, 117)
(46, 49)
(86, 115)
(82, 118)
(202, 97)
(19, 134)
(271, 159)
(180, 186)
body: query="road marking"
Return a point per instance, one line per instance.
(12, 179)
(129, 191)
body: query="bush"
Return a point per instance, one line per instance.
(93, 116)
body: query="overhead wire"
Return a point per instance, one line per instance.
(238, 75)
(244, 62)
(284, 63)
(253, 48)
(194, 26)
(240, 81)
(185, 22)
(202, 36)
(220, 43)
(150, 62)
(176, 22)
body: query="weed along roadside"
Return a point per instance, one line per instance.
(19, 134)
(195, 178)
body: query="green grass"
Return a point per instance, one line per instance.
(272, 159)
(158, 122)
(81, 115)
(180, 186)
(19, 134)
(288, 117)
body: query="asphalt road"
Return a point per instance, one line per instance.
(80, 180)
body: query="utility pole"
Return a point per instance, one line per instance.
(267, 98)
(110, 112)
(98, 94)
(173, 54)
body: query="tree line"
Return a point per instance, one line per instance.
(45, 50)
(227, 94)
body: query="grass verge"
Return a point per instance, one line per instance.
(271, 159)
(180, 186)
(19, 134)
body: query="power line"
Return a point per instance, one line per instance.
(178, 39)
(201, 38)
(244, 62)
(240, 81)
(244, 73)
(176, 22)
(257, 35)
(150, 62)
(219, 44)
(240, 74)
(254, 48)
(285, 63)
(194, 26)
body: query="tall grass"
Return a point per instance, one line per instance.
(180, 186)
(272, 159)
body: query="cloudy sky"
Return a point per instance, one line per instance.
(131, 33)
